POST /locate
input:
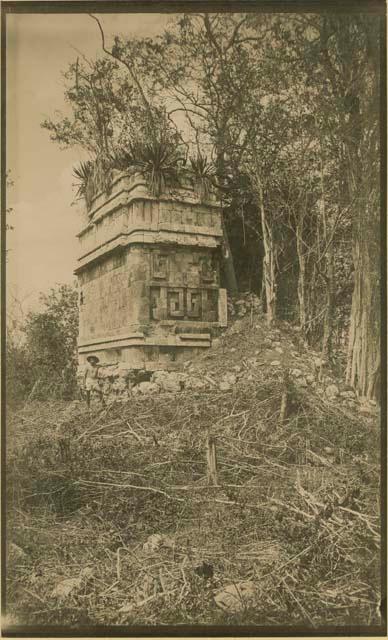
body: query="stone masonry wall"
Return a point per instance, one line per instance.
(148, 274)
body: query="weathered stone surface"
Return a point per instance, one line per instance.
(347, 394)
(146, 388)
(119, 386)
(169, 381)
(145, 262)
(64, 588)
(237, 327)
(236, 597)
(195, 384)
(229, 378)
(332, 391)
(157, 541)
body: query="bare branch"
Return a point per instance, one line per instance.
(131, 72)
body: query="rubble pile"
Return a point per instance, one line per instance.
(248, 351)
(247, 302)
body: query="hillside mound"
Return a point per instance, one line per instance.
(246, 494)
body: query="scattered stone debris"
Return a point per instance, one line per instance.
(347, 394)
(332, 391)
(236, 597)
(146, 387)
(246, 303)
(64, 588)
(169, 380)
(157, 541)
(275, 351)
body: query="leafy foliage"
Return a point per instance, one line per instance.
(43, 364)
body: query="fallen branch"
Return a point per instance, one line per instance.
(128, 486)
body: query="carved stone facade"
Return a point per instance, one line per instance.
(149, 275)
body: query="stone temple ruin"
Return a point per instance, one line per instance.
(149, 275)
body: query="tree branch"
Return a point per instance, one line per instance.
(131, 72)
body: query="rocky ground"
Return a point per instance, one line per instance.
(114, 519)
(246, 352)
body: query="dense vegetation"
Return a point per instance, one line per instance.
(112, 520)
(41, 355)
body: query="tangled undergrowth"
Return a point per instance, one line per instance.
(112, 520)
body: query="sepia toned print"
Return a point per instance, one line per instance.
(193, 342)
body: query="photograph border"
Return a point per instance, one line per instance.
(375, 7)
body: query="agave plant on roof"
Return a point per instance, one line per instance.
(83, 173)
(93, 176)
(204, 174)
(159, 161)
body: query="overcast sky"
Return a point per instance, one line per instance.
(43, 246)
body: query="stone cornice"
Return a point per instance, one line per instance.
(141, 236)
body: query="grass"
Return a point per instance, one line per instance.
(296, 513)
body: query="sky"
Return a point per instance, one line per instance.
(42, 248)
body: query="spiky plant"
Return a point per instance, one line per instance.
(204, 172)
(93, 177)
(159, 161)
(83, 174)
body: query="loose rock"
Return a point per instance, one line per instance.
(235, 597)
(146, 387)
(347, 394)
(332, 391)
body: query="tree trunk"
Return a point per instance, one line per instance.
(328, 275)
(359, 124)
(301, 279)
(328, 319)
(364, 363)
(363, 366)
(228, 263)
(269, 268)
